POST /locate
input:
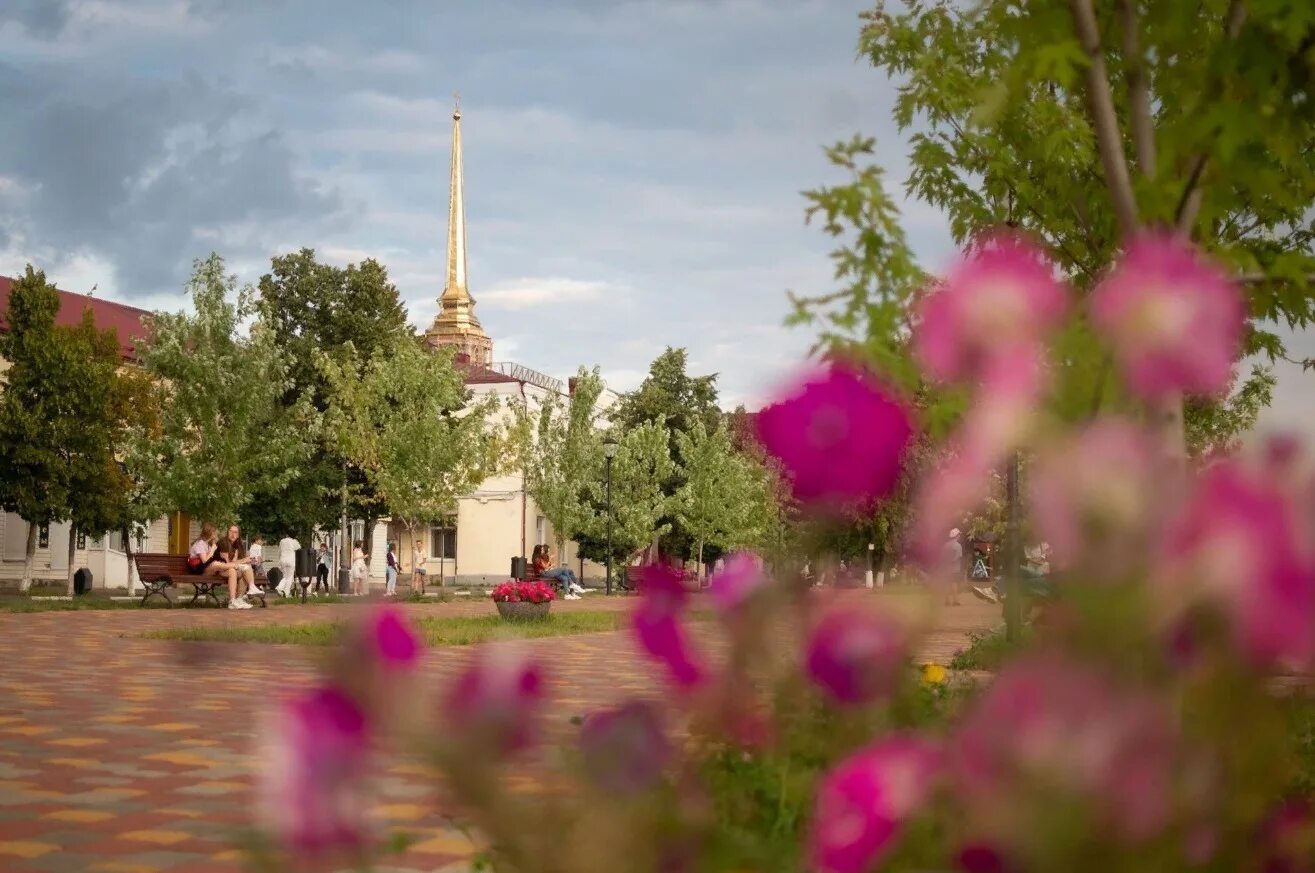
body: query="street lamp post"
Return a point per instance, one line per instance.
(609, 452)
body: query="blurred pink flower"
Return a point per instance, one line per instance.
(980, 858)
(1174, 318)
(391, 640)
(625, 749)
(740, 578)
(841, 435)
(1003, 296)
(1239, 546)
(1046, 729)
(662, 586)
(863, 804)
(1287, 838)
(495, 700)
(313, 777)
(1092, 492)
(663, 637)
(1000, 418)
(855, 655)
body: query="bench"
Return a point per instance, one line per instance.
(158, 572)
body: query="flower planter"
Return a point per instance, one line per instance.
(523, 611)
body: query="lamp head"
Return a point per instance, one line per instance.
(609, 447)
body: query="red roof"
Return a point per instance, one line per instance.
(478, 374)
(128, 322)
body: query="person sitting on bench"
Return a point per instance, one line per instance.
(234, 551)
(545, 570)
(203, 560)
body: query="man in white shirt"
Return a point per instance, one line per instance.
(288, 548)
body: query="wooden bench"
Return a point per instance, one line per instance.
(158, 572)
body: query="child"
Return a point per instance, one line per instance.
(256, 555)
(390, 571)
(360, 572)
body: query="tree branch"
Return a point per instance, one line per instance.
(1139, 94)
(1189, 202)
(1103, 118)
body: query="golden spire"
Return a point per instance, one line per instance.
(456, 323)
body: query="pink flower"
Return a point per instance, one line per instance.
(495, 700)
(1002, 297)
(841, 436)
(980, 858)
(1238, 545)
(662, 586)
(1093, 492)
(312, 780)
(855, 656)
(1174, 318)
(739, 579)
(999, 420)
(625, 749)
(663, 637)
(1051, 732)
(1287, 839)
(863, 804)
(390, 639)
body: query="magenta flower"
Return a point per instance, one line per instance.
(1174, 318)
(1051, 732)
(495, 700)
(662, 586)
(1090, 494)
(739, 579)
(1239, 545)
(313, 777)
(980, 858)
(1002, 297)
(998, 421)
(841, 436)
(855, 656)
(863, 804)
(625, 749)
(663, 637)
(390, 639)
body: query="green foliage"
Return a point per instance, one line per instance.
(720, 500)
(405, 420)
(561, 454)
(643, 466)
(314, 309)
(65, 412)
(225, 434)
(1217, 426)
(993, 99)
(674, 400)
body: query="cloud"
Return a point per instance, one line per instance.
(147, 174)
(540, 293)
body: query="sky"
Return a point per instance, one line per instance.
(633, 168)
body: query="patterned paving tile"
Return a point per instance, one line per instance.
(120, 754)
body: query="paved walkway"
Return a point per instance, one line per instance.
(124, 754)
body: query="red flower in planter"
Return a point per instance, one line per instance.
(513, 591)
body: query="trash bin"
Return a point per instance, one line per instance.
(518, 567)
(305, 564)
(82, 581)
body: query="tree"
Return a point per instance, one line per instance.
(225, 434)
(1081, 128)
(313, 309)
(405, 419)
(716, 500)
(639, 505)
(36, 410)
(675, 400)
(561, 452)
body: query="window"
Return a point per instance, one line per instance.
(443, 542)
(541, 531)
(43, 537)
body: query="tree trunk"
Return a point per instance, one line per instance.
(28, 557)
(72, 552)
(132, 567)
(702, 573)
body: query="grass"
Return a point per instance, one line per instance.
(987, 650)
(454, 631)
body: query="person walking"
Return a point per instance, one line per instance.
(390, 572)
(288, 548)
(952, 553)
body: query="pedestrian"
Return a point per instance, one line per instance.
(390, 572)
(288, 548)
(953, 561)
(360, 569)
